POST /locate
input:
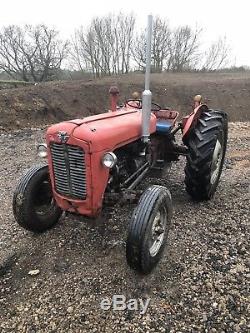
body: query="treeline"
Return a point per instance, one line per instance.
(109, 45)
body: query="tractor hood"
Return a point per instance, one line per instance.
(106, 131)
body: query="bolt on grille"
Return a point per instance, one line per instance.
(69, 170)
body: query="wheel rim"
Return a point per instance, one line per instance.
(158, 231)
(216, 162)
(43, 201)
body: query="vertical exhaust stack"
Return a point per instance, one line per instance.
(147, 95)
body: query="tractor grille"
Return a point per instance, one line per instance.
(69, 170)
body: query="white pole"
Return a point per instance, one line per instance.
(147, 95)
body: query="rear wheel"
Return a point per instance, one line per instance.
(207, 147)
(148, 229)
(33, 204)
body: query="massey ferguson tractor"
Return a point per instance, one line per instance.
(107, 155)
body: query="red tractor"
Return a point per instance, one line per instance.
(105, 156)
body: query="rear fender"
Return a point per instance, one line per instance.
(190, 121)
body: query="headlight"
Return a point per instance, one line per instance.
(42, 150)
(109, 160)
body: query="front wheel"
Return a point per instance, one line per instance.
(148, 229)
(34, 207)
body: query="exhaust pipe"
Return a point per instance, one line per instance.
(147, 95)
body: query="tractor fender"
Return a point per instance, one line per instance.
(190, 121)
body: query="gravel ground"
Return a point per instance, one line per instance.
(201, 285)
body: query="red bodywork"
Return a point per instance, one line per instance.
(189, 121)
(96, 135)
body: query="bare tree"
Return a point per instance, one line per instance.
(86, 54)
(184, 48)
(175, 50)
(105, 46)
(139, 50)
(12, 59)
(217, 56)
(160, 46)
(31, 53)
(126, 28)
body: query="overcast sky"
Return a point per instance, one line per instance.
(216, 17)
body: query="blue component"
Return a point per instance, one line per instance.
(163, 126)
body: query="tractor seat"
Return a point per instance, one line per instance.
(163, 126)
(166, 119)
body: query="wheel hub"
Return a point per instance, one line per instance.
(43, 200)
(216, 162)
(157, 233)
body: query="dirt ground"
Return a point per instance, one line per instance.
(51, 102)
(201, 284)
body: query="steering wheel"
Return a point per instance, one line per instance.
(137, 104)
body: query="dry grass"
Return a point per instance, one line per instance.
(54, 101)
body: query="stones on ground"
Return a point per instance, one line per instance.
(201, 285)
(34, 272)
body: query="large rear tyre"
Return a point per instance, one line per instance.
(207, 144)
(33, 204)
(148, 229)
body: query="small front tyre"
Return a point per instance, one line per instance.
(148, 229)
(34, 207)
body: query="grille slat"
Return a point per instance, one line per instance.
(69, 170)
